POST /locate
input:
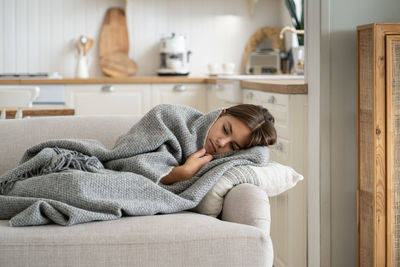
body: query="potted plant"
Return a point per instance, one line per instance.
(297, 15)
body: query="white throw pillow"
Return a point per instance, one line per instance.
(274, 179)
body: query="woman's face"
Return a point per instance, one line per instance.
(227, 134)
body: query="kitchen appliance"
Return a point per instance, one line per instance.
(263, 62)
(174, 56)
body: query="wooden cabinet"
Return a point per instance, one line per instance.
(378, 144)
(132, 98)
(288, 210)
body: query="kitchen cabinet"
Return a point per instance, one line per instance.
(132, 99)
(213, 101)
(96, 99)
(193, 95)
(289, 209)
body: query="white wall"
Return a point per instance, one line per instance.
(40, 35)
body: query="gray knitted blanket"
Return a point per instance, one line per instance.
(73, 181)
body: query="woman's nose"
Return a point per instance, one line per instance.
(222, 141)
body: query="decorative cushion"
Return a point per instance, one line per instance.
(274, 179)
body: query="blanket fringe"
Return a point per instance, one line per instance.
(62, 161)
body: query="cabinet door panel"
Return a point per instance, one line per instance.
(213, 101)
(118, 99)
(289, 209)
(393, 148)
(277, 104)
(193, 95)
(281, 151)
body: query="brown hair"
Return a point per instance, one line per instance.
(259, 120)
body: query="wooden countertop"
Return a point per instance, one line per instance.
(292, 86)
(102, 80)
(40, 111)
(289, 86)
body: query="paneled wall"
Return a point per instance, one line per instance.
(41, 35)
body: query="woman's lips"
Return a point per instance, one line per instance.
(212, 146)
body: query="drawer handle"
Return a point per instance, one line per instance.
(108, 88)
(180, 87)
(279, 147)
(271, 99)
(250, 95)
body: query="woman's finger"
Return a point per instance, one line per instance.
(199, 153)
(205, 159)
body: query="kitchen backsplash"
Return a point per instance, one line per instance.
(41, 35)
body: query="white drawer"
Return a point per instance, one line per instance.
(229, 90)
(193, 95)
(281, 151)
(271, 99)
(278, 106)
(282, 129)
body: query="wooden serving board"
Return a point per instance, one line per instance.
(118, 65)
(114, 45)
(114, 33)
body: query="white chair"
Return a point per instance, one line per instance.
(17, 97)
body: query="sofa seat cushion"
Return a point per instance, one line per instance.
(181, 239)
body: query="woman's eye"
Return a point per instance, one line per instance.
(233, 147)
(225, 130)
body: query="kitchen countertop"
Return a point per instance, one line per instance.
(292, 86)
(287, 86)
(102, 80)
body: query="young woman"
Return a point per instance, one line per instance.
(238, 127)
(165, 163)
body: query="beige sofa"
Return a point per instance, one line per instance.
(239, 238)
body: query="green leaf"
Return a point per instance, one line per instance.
(291, 6)
(298, 23)
(302, 16)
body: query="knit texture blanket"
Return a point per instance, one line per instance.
(71, 181)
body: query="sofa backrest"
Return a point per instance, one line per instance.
(18, 135)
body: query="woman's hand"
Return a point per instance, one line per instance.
(186, 171)
(196, 161)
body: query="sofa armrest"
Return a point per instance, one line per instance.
(247, 204)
